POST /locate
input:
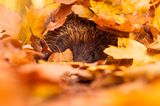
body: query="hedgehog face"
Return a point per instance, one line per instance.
(87, 52)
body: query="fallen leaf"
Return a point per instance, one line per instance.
(65, 56)
(49, 71)
(130, 6)
(12, 52)
(65, 1)
(59, 17)
(107, 12)
(82, 11)
(156, 22)
(105, 24)
(129, 49)
(36, 22)
(9, 82)
(9, 22)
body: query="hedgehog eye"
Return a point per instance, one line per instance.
(92, 54)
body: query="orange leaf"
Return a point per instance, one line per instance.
(126, 26)
(62, 57)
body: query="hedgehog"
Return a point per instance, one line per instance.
(82, 37)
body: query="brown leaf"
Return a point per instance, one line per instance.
(58, 17)
(41, 47)
(85, 3)
(154, 48)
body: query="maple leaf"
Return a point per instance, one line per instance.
(110, 16)
(107, 11)
(130, 49)
(9, 22)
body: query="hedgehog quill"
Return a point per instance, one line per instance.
(82, 37)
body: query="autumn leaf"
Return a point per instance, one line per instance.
(66, 56)
(107, 12)
(82, 11)
(16, 5)
(109, 16)
(49, 71)
(9, 22)
(58, 17)
(35, 22)
(105, 24)
(48, 5)
(9, 83)
(130, 6)
(129, 49)
(12, 52)
(156, 19)
(65, 1)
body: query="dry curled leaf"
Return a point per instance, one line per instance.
(58, 17)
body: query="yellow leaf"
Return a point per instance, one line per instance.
(130, 49)
(156, 19)
(35, 20)
(107, 11)
(47, 4)
(16, 5)
(82, 11)
(131, 6)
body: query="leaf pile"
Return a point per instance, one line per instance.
(31, 75)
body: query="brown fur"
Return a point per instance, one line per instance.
(82, 37)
